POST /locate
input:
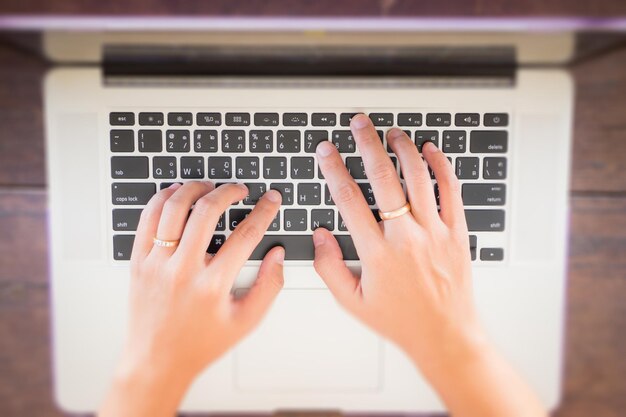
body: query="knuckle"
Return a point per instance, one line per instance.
(206, 205)
(347, 192)
(249, 231)
(450, 183)
(382, 172)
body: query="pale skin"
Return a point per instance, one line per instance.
(415, 288)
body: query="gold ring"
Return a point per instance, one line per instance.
(165, 243)
(388, 215)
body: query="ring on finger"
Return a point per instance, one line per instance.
(165, 243)
(388, 215)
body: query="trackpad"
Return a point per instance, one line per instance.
(307, 342)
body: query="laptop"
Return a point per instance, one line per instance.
(133, 105)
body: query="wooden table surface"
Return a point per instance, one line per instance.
(595, 344)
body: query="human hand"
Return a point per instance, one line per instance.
(415, 286)
(182, 315)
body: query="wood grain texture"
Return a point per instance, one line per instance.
(321, 7)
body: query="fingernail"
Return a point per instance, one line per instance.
(429, 147)
(274, 196)
(394, 132)
(318, 239)
(175, 186)
(360, 121)
(325, 148)
(279, 256)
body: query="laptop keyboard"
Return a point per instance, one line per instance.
(270, 150)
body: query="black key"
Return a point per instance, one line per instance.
(467, 168)
(368, 193)
(217, 241)
(485, 220)
(237, 119)
(205, 140)
(376, 215)
(151, 119)
(344, 141)
(328, 198)
(423, 136)
(233, 141)
(302, 167)
(208, 119)
(496, 119)
(132, 193)
(179, 119)
(319, 173)
(467, 119)
(345, 118)
(126, 219)
(122, 141)
(309, 194)
(150, 141)
(295, 119)
(275, 167)
(342, 225)
(177, 141)
(220, 167)
(491, 254)
(164, 167)
(300, 247)
(494, 168)
(382, 119)
(248, 167)
(255, 192)
(123, 247)
(221, 223)
(356, 168)
(191, 167)
(409, 119)
(129, 167)
(275, 224)
(266, 119)
(323, 218)
(312, 138)
(438, 119)
(165, 185)
(488, 141)
(288, 141)
(122, 119)
(286, 191)
(454, 141)
(473, 245)
(261, 141)
(236, 216)
(323, 119)
(295, 220)
(484, 194)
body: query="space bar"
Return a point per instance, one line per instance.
(300, 247)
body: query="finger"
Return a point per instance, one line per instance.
(245, 238)
(254, 305)
(347, 195)
(148, 223)
(450, 201)
(204, 217)
(415, 172)
(176, 211)
(329, 264)
(378, 166)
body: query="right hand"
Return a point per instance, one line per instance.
(416, 282)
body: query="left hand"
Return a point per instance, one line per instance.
(182, 314)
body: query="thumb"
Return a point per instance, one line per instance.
(329, 264)
(255, 304)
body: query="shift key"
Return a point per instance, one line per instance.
(485, 220)
(132, 193)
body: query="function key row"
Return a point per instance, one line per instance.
(302, 119)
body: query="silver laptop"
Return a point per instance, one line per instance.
(133, 105)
